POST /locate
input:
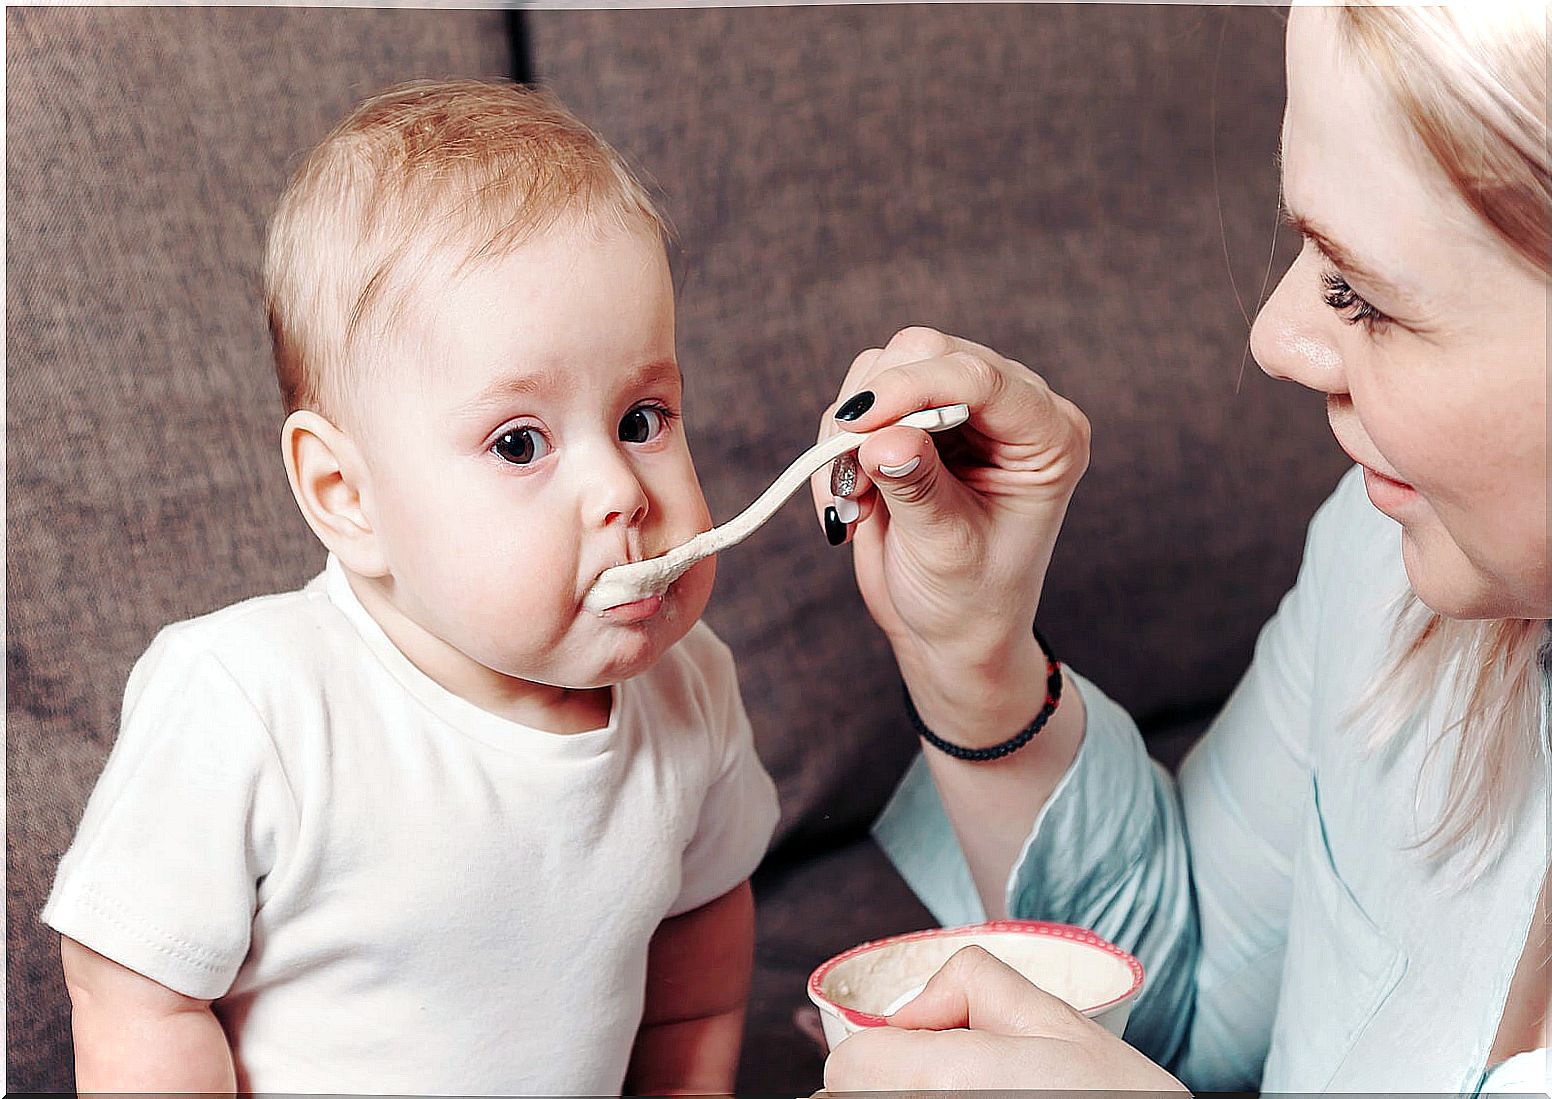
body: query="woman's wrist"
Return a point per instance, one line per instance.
(976, 696)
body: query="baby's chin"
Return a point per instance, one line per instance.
(604, 650)
(626, 649)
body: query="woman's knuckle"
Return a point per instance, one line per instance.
(838, 1072)
(970, 959)
(854, 1064)
(982, 371)
(866, 357)
(1083, 429)
(921, 341)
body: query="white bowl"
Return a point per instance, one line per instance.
(859, 988)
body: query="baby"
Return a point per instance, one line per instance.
(427, 825)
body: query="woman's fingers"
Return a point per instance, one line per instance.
(1018, 426)
(978, 1025)
(923, 498)
(881, 1059)
(1009, 404)
(975, 990)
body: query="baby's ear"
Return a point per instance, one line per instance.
(330, 482)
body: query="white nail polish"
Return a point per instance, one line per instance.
(846, 510)
(900, 470)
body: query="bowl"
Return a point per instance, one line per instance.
(859, 988)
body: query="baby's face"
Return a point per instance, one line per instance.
(524, 437)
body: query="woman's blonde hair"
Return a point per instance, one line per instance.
(1471, 81)
(430, 172)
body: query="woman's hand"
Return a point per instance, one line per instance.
(979, 1025)
(951, 550)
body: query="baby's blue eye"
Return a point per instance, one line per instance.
(643, 423)
(521, 446)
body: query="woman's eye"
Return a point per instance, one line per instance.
(521, 446)
(1348, 304)
(644, 423)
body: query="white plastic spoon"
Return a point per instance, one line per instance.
(639, 579)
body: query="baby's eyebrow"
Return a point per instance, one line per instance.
(510, 386)
(657, 370)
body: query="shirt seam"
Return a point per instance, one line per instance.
(118, 917)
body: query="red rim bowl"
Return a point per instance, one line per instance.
(1022, 927)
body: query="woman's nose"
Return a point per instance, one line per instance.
(1293, 337)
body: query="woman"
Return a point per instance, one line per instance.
(1347, 888)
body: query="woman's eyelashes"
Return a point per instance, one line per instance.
(523, 445)
(1349, 305)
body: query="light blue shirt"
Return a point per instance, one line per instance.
(1291, 941)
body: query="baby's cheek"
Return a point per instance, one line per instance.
(690, 514)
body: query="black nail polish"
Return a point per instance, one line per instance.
(835, 530)
(856, 406)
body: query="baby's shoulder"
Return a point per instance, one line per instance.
(282, 642)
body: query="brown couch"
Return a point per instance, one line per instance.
(1063, 183)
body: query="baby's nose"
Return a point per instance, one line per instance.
(616, 496)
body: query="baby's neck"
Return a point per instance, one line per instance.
(572, 711)
(550, 709)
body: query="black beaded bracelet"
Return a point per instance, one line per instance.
(1053, 695)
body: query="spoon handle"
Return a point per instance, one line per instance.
(796, 475)
(626, 583)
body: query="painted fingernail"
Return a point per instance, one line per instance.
(902, 469)
(856, 406)
(843, 475)
(835, 530)
(847, 510)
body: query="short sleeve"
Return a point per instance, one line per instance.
(740, 811)
(189, 816)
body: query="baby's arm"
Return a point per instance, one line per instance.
(133, 1034)
(698, 971)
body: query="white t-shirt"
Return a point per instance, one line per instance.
(387, 888)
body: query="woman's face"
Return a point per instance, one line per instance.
(1426, 332)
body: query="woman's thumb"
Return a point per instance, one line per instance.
(911, 479)
(976, 991)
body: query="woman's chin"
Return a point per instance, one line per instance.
(1448, 584)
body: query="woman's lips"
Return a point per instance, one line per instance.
(1386, 494)
(1370, 468)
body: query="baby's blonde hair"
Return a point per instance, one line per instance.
(451, 172)
(1471, 82)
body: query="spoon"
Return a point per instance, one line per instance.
(640, 579)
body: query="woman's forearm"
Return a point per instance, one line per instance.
(993, 805)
